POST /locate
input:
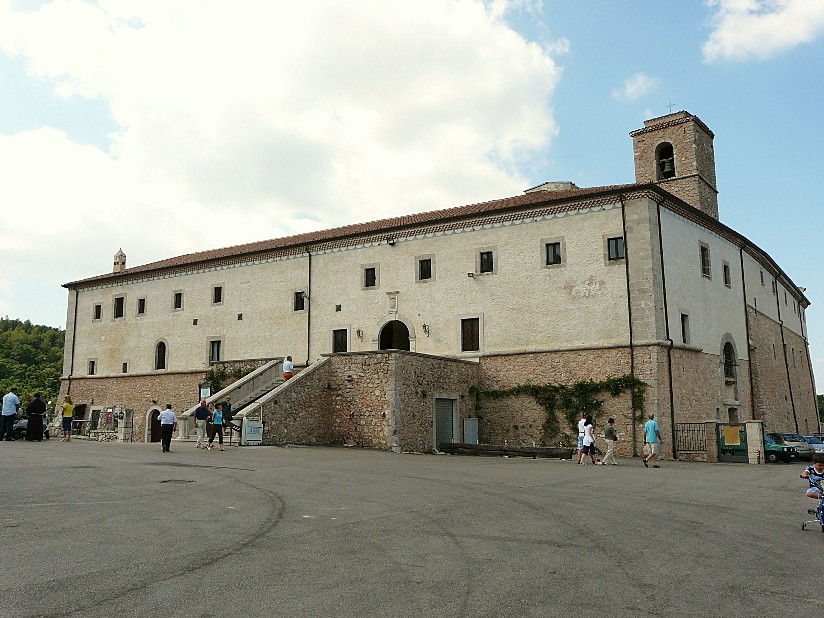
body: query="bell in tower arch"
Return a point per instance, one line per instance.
(665, 159)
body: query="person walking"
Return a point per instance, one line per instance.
(610, 437)
(68, 415)
(652, 437)
(11, 404)
(589, 440)
(168, 423)
(201, 418)
(581, 424)
(217, 427)
(36, 410)
(288, 368)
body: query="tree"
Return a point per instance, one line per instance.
(31, 358)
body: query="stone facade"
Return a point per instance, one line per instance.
(143, 394)
(381, 400)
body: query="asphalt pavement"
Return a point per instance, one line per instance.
(104, 529)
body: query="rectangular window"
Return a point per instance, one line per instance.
(470, 335)
(615, 248)
(785, 297)
(98, 312)
(685, 329)
(487, 262)
(706, 267)
(214, 350)
(774, 288)
(119, 306)
(339, 340)
(727, 275)
(299, 301)
(761, 272)
(141, 306)
(370, 277)
(553, 253)
(92, 367)
(125, 368)
(177, 303)
(217, 295)
(424, 269)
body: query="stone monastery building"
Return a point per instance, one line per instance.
(392, 322)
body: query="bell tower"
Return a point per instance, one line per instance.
(675, 151)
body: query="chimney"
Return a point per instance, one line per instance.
(119, 262)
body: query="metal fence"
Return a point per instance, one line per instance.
(690, 437)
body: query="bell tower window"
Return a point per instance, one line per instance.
(665, 161)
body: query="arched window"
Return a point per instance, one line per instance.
(729, 361)
(665, 161)
(160, 355)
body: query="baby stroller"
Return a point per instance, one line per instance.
(818, 512)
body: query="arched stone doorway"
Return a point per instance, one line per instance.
(154, 426)
(394, 336)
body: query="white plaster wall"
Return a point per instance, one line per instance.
(713, 308)
(523, 305)
(770, 304)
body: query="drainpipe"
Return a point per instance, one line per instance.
(629, 318)
(309, 309)
(786, 362)
(667, 327)
(74, 340)
(747, 326)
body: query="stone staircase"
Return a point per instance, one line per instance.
(244, 392)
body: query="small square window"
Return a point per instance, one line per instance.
(706, 267)
(141, 306)
(299, 301)
(727, 275)
(177, 301)
(98, 312)
(470, 335)
(119, 306)
(615, 248)
(424, 269)
(553, 253)
(92, 367)
(217, 295)
(339, 340)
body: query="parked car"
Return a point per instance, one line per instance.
(778, 451)
(816, 442)
(21, 426)
(804, 450)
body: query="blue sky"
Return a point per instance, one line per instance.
(171, 127)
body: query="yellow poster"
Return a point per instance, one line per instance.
(732, 435)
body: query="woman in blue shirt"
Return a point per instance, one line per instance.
(217, 427)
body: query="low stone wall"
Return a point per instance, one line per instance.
(380, 400)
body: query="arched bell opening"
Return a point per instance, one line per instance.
(665, 161)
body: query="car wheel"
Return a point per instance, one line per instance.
(772, 457)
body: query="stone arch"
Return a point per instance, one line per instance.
(161, 355)
(151, 432)
(729, 368)
(410, 328)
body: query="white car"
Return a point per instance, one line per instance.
(816, 442)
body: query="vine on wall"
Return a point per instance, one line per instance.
(572, 401)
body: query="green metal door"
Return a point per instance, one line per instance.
(732, 443)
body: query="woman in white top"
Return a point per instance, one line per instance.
(589, 440)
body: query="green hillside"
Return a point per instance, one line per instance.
(31, 358)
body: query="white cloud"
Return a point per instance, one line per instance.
(245, 120)
(635, 87)
(761, 29)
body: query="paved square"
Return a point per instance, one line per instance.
(94, 529)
